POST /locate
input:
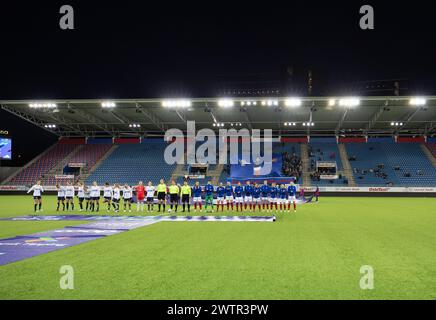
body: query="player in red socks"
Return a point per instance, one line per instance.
(229, 195)
(197, 190)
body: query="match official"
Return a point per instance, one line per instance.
(174, 195)
(186, 196)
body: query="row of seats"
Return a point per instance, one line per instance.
(88, 154)
(325, 151)
(400, 164)
(131, 163)
(375, 164)
(39, 168)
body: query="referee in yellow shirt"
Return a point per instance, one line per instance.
(186, 196)
(161, 194)
(174, 195)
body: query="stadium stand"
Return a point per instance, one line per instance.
(325, 151)
(395, 164)
(414, 166)
(42, 165)
(90, 154)
(370, 164)
(130, 163)
(379, 163)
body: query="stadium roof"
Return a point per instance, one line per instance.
(285, 116)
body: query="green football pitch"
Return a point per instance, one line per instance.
(316, 253)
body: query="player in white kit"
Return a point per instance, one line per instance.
(61, 197)
(150, 190)
(87, 197)
(95, 197)
(116, 195)
(69, 195)
(107, 195)
(37, 196)
(81, 194)
(127, 197)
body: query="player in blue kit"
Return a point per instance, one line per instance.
(264, 189)
(256, 197)
(220, 191)
(292, 191)
(197, 190)
(248, 195)
(208, 189)
(238, 196)
(229, 195)
(273, 191)
(283, 194)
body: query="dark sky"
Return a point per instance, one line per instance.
(127, 49)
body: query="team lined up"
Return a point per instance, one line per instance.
(248, 197)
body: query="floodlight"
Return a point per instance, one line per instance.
(48, 105)
(417, 101)
(226, 103)
(108, 104)
(178, 103)
(349, 102)
(293, 102)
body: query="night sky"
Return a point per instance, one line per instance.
(147, 49)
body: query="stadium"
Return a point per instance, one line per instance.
(217, 160)
(363, 168)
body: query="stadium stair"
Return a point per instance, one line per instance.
(429, 152)
(91, 154)
(59, 168)
(215, 174)
(306, 165)
(347, 169)
(181, 170)
(216, 171)
(99, 162)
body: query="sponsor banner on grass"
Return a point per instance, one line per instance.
(74, 217)
(23, 247)
(118, 224)
(131, 222)
(78, 231)
(219, 218)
